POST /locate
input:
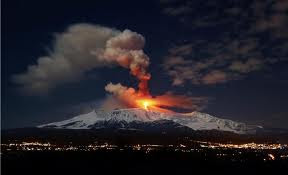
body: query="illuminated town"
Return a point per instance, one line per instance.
(37, 146)
(269, 151)
(261, 146)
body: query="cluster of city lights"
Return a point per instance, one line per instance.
(258, 146)
(37, 146)
(269, 152)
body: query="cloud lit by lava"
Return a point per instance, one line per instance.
(84, 47)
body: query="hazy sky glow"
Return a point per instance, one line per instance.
(227, 58)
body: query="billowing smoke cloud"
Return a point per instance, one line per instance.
(84, 47)
(126, 50)
(126, 95)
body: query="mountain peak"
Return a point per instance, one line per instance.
(194, 120)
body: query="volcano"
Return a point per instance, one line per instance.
(135, 118)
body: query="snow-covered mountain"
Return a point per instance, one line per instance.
(123, 117)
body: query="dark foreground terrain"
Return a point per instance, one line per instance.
(114, 151)
(135, 162)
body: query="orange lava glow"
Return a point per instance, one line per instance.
(146, 103)
(161, 103)
(152, 104)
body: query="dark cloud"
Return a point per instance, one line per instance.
(175, 11)
(215, 76)
(255, 16)
(176, 7)
(185, 49)
(248, 66)
(217, 62)
(280, 5)
(271, 18)
(249, 36)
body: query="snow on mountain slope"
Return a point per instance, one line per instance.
(194, 120)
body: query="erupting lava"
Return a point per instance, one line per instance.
(153, 104)
(146, 103)
(161, 103)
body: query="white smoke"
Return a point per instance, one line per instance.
(81, 48)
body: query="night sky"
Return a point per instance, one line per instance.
(233, 53)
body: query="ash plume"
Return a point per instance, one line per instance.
(84, 47)
(81, 48)
(126, 50)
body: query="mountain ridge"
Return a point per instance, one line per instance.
(126, 118)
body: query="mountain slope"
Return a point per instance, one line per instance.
(127, 118)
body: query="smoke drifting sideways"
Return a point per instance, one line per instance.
(162, 103)
(83, 47)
